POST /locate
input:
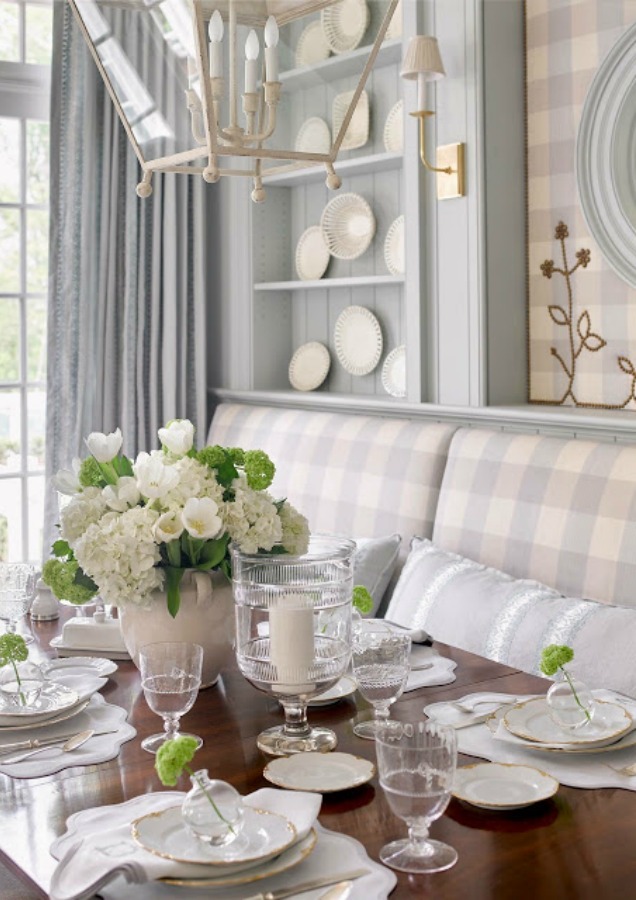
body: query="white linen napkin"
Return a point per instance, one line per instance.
(108, 850)
(442, 671)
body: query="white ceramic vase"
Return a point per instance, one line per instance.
(205, 617)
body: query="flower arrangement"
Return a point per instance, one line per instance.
(553, 659)
(133, 527)
(13, 650)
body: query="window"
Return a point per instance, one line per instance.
(25, 51)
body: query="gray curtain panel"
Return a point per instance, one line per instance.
(126, 321)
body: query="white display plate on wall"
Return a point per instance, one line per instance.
(309, 366)
(358, 338)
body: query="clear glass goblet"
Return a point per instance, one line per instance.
(416, 764)
(17, 589)
(170, 678)
(380, 661)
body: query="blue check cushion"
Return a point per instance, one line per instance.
(357, 475)
(562, 512)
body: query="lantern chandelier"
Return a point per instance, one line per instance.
(204, 132)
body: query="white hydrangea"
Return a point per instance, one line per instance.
(195, 480)
(85, 509)
(252, 519)
(120, 554)
(295, 530)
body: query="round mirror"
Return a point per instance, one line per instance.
(606, 157)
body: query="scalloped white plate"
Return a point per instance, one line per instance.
(348, 225)
(313, 136)
(312, 254)
(321, 773)
(394, 247)
(358, 338)
(394, 129)
(394, 372)
(312, 46)
(502, 785)
(357, 134)
(531, 722)
(309, 366)
(344, 24)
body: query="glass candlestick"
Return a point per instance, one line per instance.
(293, 633)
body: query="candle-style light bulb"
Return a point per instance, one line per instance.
(215, 33)
(252, 48)
(271, 49)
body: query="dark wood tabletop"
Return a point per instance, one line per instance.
(578, 845)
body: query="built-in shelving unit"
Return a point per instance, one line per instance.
(331, 283)
(342, 66)
(359, 165)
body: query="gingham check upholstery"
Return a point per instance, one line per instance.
(357, 475)
(562, 512)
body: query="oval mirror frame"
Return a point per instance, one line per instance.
(606, 157)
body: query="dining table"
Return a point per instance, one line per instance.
(577, 844)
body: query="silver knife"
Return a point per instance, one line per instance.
(36, 742)
(283, 892)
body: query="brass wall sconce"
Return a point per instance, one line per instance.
(424, 62)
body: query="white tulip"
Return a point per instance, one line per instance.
(104, 447)
(153, 478)
(200, 518)
(178, 436)
(67, 480)
(123, 495)
(168, 527)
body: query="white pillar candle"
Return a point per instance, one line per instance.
(271, 49)
(291, 642)
(215, 33)
(252, 48)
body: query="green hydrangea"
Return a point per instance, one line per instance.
(13, 649)
(90, 474)
(259, 469)
(173, 757)
(554, 657)
(236, 455)
(362, 599)
(59, 575)
(212, 456)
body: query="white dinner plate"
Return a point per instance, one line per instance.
(282, 863)
(312, 254)
(348, 225)
(502, 785)
(394, 372)
(309, 366)
(54, 698)
(532, 722)
(321, 773)
(79, 665)
(312, 46)
(628, 739)
(341, 689)
(358, 339)
(394, 247)
(357, 134)
(394, 129)
(263, 835)
(313, 136)
(344, 24)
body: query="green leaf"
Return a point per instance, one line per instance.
(173, 579)
(61, 548)
(226, 568)
(84, 580)
(123, 467)
(362, 599)
(172, 552)
(213, 552)
(226, 472)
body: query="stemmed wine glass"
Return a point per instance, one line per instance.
(416, 763)
(170, 678)
(17, 588)
(380, 661)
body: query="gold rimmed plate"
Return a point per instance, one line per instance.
(503, 785)
(532, 722)
(263, 835)
(52, 720)
(321, 773)
(54, 698)
(627, 740)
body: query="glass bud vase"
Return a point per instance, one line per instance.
(213, 810)
(22, 689)
(570, 702)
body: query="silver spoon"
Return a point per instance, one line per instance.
(71, 744)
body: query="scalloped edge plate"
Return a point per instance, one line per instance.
(319, 773)
(348, 226)
(309, 366)
(315, 132)
(394, 247)
(312, 254)
(394, 372)
(358, 339)
(393, 134)
(503, 785)
(344, 24)
(357, 134)
(312, 46)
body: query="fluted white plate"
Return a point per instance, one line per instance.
(394, 247)
(312, 254)
(309, 366)
(348, 225)
(313, 136)
(79, 665)
(322, 773)
(344, 24)
(54, 698)
(394, 372)
(358, 339)
(394, 129)
(502, 785)
(532, 722)
(312, 46)
(357, 134)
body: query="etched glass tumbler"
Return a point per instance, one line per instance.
(17, 589)
(381, 668)
(170, 678)
(416, 764)
(293, 632)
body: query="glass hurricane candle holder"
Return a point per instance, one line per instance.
(293, 632)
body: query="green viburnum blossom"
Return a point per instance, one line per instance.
(259, 469)
(237, 455)
(13, 650)
(90, 474)
(212, 456)
(60, 576)
(172, 760)
(362, 599)
(554, 657)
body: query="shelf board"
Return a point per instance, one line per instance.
(376, 162)
(328, 283)
(342, 65)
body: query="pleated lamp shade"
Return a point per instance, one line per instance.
(422, 58)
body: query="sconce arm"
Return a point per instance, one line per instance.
(422, 115)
